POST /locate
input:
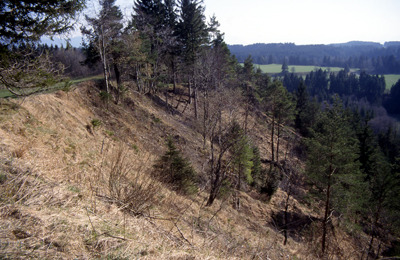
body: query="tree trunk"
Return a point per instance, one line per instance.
(238, 187)
(272, 140)
(327, 207)
(174, 76)
(287, 209)
(190, 92)
(247, 110)
(103, 57)
(117, 74)
(377, 216)
(195, 103)
(278, 137)
(205, 116)
(166, 99)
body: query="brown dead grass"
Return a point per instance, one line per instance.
(57, 201)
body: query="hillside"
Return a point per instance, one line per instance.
(56, 200)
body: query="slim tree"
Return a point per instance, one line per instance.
(280, 109)
(192, 34)
(242, 163)
(285, 67)
(102, 31)
(331, 164)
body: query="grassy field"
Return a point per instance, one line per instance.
(277, 68)
(391, 79)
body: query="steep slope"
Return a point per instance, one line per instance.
(76, 184)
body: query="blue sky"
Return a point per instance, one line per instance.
(301, 21)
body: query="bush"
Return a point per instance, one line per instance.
(272, 179)
(127, 184)
(176, 170)
(106, 97)
(95, 122)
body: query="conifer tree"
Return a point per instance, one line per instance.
(306, 110)
(192, 34)
(242, 163)
(248, 68)
(191, 28)
(285, 67)
(24, 70)
(381, 208)
(331, 166)
(279, 107)
(24, 21)
(176, 170)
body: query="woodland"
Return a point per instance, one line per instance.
(330, 141)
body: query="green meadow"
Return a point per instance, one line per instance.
(391, 79)
(277, 68)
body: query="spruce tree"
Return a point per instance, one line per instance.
(306, 110)
(248, 68)
(176, 170)
(191, 28)
(285, 67)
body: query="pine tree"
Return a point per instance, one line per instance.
(381, 208)
(279, 107)
(242, 163)
(331, 166)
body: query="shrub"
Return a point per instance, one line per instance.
(272, 179)
(127, 184)
(95, 122)
(105, 96)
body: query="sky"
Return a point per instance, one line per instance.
(306, 21)
(301, 21)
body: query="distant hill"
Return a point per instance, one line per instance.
(357, 43)
(392, 44)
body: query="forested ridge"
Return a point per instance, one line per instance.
(326, 142)
(368, 56)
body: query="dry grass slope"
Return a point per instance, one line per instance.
(72, 189)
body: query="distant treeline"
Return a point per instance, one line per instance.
(371, 57)
(370, 88)
(322, 85)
